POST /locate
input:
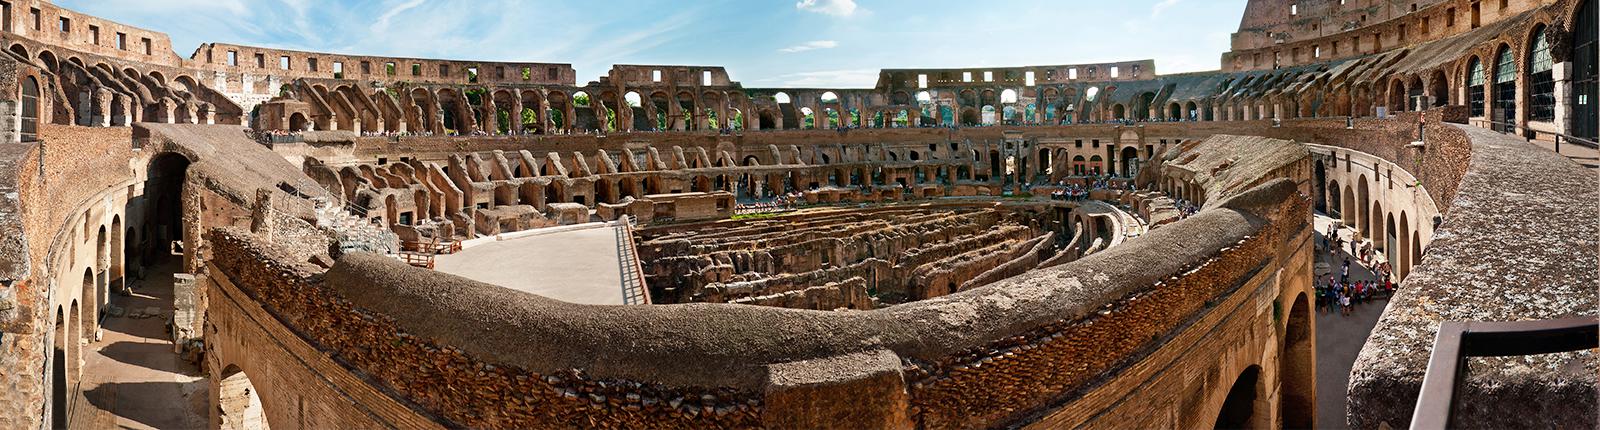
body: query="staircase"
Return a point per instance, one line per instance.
(352, 230)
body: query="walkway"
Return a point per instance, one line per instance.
(131, 377)
(1583, 155)
(1340, 337)
(577, 265)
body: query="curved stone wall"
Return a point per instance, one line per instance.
(1039, 319)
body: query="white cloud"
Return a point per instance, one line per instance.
(854, 78)
(383, 21)
(1156, 10)
(812, 45)
(830, 7)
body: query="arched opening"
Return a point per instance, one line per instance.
(1397, 96)
(1403, 249)
(1585, 99)
(238, 402)
(1336, 200)
(58, 370)
(117, 262)
(1439, 89)
(1348, 210)
(808, 119)
(1239, 411)
(1118, 112)
(1475, 82)
(969, 117)
(30, 110)
(1414, 95)
(1393, 252)
(1298, 371)
(1376, 231)
(1364, 204)
(1320, 177)
(1541, 78)
(163, 220)
(1505, 90)
(297, 122)
(1416, 249)
(1130, 161)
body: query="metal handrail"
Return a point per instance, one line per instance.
(1458, 340)
(1559, 136)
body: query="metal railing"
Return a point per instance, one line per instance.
(1459, 340)
(635, 291)
(1510, 129)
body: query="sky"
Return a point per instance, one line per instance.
(763, 43)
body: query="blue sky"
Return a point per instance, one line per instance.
(763, 43)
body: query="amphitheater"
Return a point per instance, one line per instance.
(261, 238)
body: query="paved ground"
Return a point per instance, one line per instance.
(1584, 156)
(131, 377)
(1339, 339)
(576, 266)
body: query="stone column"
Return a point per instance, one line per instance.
(515, 114)
(192, 224)
(261, 214)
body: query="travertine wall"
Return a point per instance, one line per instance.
(945, 386)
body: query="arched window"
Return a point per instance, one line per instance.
(1586, 73)
(1505, 89)
(1541, 79)
(1475, 80)
(30, 110)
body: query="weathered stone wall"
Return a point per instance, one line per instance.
(1531, 212)
(73, 174)
(948, 386)
(435, 379)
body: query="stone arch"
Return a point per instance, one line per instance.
(1504, 88)
(163, 218)
(1319, 198)
(1397, 95)
(21, 51)
(1475, 79)
(1391, 252)
(59, 380)
(1376, 231)
(1363, 204)
(1243, 408)
(1439, 88)
(238, 402)
(1298, 371)
(49, 61)
(1349, 209)
(1416, 250)
(29, 111)
(298, 122)
(117, 245)
(1403, 249)
(1539, 71)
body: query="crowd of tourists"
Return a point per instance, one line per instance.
(782, 203)
(1185, 208)
(268, 137)
(1342, 294)
(1077, 192)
